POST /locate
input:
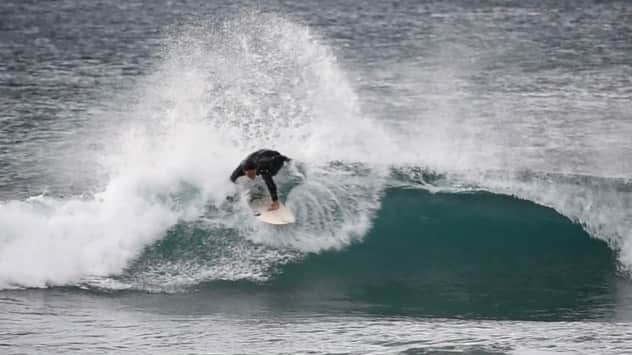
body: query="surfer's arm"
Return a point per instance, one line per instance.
(271, 186)
(237, 173)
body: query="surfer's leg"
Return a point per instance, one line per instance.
(257, 192)
(289, 176)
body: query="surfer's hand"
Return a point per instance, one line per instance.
(274, 206)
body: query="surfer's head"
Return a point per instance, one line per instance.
(250, 169)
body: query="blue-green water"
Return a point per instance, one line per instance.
(471, 255)
(460, 177)
(465, 255)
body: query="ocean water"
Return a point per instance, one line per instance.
(461, 177)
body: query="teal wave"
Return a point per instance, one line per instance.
(467, 254)
(453, 255)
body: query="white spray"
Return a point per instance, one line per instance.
(220, 92)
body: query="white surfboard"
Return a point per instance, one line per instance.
(283, 215)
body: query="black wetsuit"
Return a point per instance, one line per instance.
(267, 162)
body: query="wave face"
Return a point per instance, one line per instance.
(460, 254)
(160, 221)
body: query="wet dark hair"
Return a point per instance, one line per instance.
(250, 165)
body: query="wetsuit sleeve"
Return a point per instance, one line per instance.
(271, 186)
(237, 173)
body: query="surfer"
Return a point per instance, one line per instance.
(266, 163)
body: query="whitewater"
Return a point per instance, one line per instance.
(217, 95)
(223, 90)
(460, 176)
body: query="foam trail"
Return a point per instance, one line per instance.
(47, 241)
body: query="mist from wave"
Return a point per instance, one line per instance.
(224, 89)
(220, 91)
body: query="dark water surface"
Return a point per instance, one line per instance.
(462, 182)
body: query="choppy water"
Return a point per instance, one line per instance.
(461, 185)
